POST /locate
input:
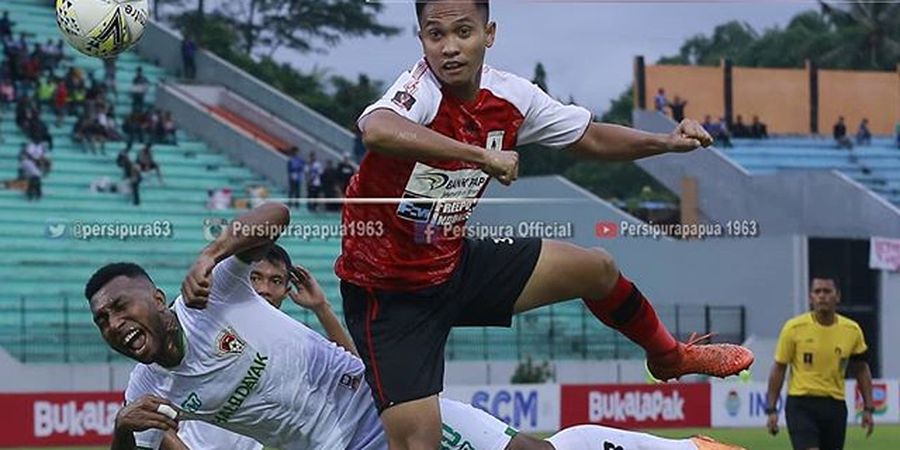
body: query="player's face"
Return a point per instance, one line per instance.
(270, 281)
(128, 312)
(823, 295)
(455, 36)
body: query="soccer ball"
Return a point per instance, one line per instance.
(102, 28)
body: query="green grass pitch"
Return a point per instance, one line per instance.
(886, 437)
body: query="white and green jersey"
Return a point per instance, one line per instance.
(253, 370)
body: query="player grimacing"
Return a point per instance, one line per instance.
(440, 132)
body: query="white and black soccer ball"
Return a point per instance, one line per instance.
(102, 28)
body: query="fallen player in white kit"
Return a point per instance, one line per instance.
(227, 358)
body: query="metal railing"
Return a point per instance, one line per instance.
(61, 330)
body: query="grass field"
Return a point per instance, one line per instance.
(886, 437)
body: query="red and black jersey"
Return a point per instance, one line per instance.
(412, 253)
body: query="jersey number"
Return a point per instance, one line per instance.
(611, 446)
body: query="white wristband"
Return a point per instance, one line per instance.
(167, 411)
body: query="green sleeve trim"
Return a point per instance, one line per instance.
(511, 432)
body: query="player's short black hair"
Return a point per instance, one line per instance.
(106, 273)
(277, 254)
(483, 5)
(826, 276)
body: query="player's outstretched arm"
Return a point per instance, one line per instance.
(248, 237)
(608, 142)
(306, 293)
(385, 131)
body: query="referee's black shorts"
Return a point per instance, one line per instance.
(816, 422)
(401, 336)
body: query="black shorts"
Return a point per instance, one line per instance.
(401, 336)
(816, 422)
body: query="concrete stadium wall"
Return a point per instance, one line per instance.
(163, 45)
(235, 142)
(858, 95)
(890, 314)
(702, 87)
(787, 202)
(780, 97)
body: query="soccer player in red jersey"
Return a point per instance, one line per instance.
(434, 140)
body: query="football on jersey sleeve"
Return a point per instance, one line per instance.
(415, 95)
(550, 123)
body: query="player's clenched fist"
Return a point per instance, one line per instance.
(145, 414)
(502, 165)
(198, 282)
(688, 136)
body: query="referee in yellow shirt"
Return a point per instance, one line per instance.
(819, 346)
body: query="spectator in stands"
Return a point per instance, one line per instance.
(296, 166)
(330, 185)
(46, 86)
(313, 182)
(37, 153)
(345, 172)
(134, 179)
(135, 128)
(37, 131)
(169, 129)
(146, 162)
(94, 134)
(6, 26)
(139, 87)
(77, 91)
(109, 76)
(107, 122)
(758, 130)
(839, 131)
(740, 129)
(677, 106)
(7, 93)
(660, 101)
(897, 132)
(123, 161)
(60, 101)
(31, 172)
(53, 55)
(717, 130)
(189, 57)
(863, 135)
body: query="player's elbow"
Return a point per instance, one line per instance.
(277, 213)
(377, 130)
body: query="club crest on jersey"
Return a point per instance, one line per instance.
(404, 99)
(229, 343)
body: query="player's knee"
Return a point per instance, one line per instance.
(606, 267)
(424, 438)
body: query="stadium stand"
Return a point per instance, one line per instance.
(876, 166)
(44, 315)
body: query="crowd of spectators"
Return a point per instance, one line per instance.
(39, 78)
(325, 184)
